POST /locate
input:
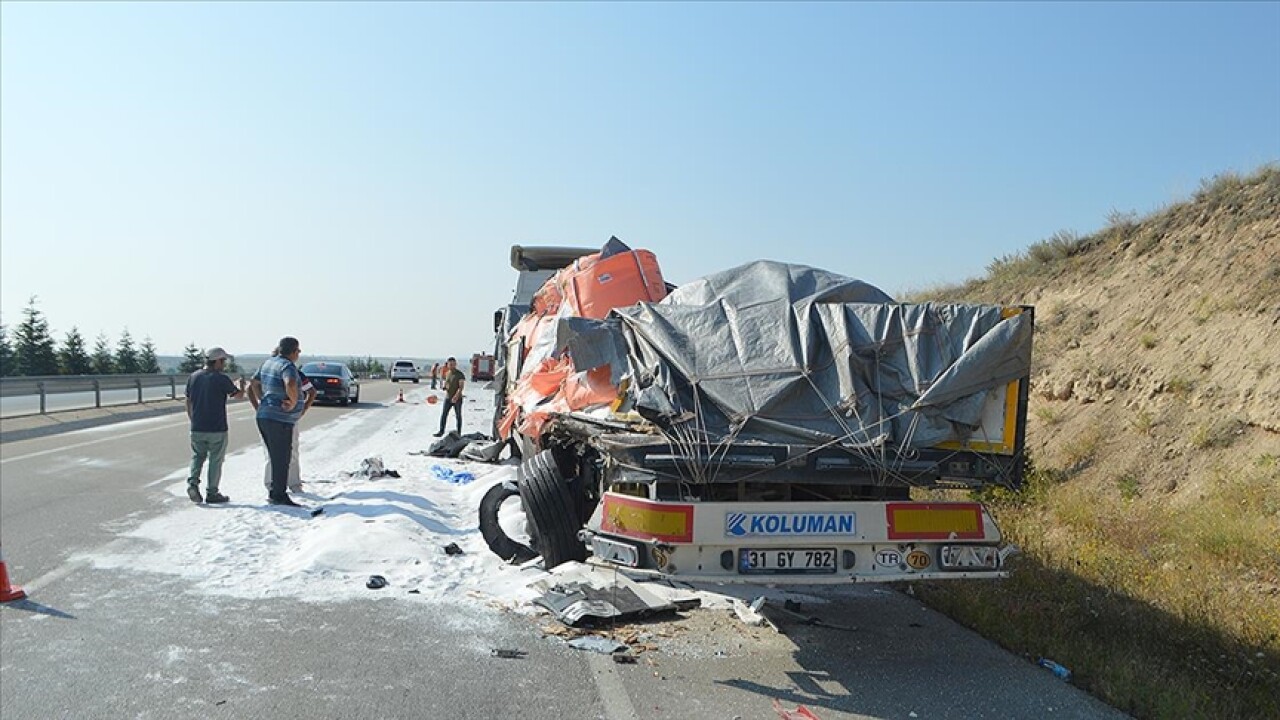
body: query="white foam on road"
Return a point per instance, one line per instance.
(394, 527)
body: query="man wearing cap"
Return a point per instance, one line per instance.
(207, 393)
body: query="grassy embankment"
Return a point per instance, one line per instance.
(1162, 596)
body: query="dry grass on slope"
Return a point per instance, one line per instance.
(1152, 522)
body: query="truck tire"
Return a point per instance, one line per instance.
(550, 508)
(492, 532)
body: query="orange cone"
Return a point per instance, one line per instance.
(8, 593)
(401, 398)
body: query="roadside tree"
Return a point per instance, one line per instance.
(102, 362)
(73, 358)
(33, 345)
(147, 361)
(127, 355)
(192, 359)
(6, 353)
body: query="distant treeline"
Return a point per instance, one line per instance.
(31, 350)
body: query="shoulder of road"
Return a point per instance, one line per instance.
(25, 427)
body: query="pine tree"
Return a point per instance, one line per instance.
(73, 359)
(102, 362)
(6, 353)
(126, 355)
(33, 345)
(192, 360)
(147, 362)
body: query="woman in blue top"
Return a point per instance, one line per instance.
(277, 390)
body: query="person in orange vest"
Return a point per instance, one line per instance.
(435, 372)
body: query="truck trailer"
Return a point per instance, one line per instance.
(769, 422)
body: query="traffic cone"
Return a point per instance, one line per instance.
(401, 398)
(8, 593)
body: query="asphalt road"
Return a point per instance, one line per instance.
(94, 643)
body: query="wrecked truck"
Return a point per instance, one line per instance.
(766, 423)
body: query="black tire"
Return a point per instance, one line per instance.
(491, 530)
(415, 382)
(343, 402)
(550, 507)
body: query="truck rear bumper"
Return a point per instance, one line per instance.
(797, 543)
(841, 579)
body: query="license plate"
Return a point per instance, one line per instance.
(798, 561)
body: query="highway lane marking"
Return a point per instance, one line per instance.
(87, 443)
(76, 562)
(613, 695)
(55, 575)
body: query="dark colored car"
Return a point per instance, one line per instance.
(333, 382)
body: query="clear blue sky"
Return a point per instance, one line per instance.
(354, 174)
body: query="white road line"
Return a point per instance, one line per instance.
(87, 443)
(55, 575)
(76, 562)
(614, 697)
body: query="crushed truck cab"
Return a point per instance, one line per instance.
(765, 423)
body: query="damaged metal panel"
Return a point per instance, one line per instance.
(580, 594)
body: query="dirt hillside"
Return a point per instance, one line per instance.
(1157, 341)
(1150, 518)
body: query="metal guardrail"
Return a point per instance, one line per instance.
(46, 385)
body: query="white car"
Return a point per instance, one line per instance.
(404, 370)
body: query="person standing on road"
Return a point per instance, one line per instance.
(207, 393)
(435, 373)
(453, 382)
(295, 468)
(277, 388)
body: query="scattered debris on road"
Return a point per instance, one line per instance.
(452, 549)
(800, 713)
(508, 654)
(372, 468)
(452, 444)
(597, 643)
(1059, 671)
(583, 594)
(376, 582)
(450, 475)
(750, 614)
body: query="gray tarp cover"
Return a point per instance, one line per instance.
(785, 353)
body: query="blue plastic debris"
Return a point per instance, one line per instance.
(449, 475)
(1055, 668)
